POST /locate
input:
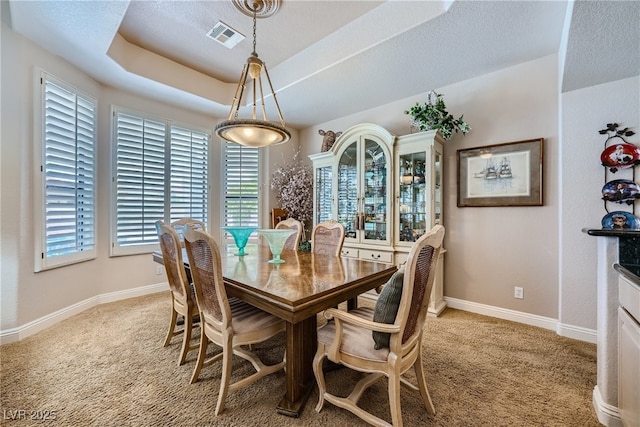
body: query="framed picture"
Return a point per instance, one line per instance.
(507, 174)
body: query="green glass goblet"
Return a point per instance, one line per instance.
(240, 236)
(276, 239)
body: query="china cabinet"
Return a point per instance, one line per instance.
(418, 176)
(418, 166)
(353, 186)
(385, 190)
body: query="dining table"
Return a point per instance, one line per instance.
(297, 290)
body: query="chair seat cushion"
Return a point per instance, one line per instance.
(354, 342)
(387, 307)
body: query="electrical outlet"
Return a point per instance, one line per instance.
(518, 292)
(158, 269)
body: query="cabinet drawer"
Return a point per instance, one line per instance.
(376, 256)
(629, 295)
(349, 252)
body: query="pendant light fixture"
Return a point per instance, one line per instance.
(254, 132)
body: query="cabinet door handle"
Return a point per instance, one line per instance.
(375, 256)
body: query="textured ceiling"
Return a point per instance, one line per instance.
(328, 59)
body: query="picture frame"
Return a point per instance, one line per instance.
(508, 174)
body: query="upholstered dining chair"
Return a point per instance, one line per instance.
(294, 240)
(327, 238)
(229, 323)
(182, 299)
(180, 226)
(384, 341)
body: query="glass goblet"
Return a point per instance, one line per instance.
(240, 236)
(276, 239)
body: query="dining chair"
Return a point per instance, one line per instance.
(182, 299)
(327, 238)
(291, 224)
(181, 224)
(384, 341)
(229, 323)
(277, 215)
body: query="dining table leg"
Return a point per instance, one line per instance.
(301, 344)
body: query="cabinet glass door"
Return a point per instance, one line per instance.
(348, 190)
(413, 196)
(375, 192)
(437, 188)
(324, 191)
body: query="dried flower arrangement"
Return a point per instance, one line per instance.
(294, 183)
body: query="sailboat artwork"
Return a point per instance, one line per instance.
(491, 171)
(502, 175)
(508, 174)
(505, 169)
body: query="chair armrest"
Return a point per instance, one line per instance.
(340, 317)
(344, 316)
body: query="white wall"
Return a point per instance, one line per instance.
(584, 113)
(28, 297)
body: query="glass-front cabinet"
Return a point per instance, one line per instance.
(385, 190)
(363, 193)
(354, 186)
(419, 186)
(323, 200)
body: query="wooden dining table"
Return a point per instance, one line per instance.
(296, 291)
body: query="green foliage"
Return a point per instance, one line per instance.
(304, 246)
(434, 115)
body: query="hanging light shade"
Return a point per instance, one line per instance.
(253, 132)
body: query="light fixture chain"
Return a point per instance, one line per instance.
(254, 32)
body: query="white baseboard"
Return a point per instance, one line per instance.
(608, 415)
(21, 332)
(568, 331)
(28, 329)
(577, 332)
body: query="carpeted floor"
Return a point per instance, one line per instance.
(107, 367)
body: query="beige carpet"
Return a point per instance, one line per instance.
(107, 367)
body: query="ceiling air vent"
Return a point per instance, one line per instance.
(225, 35)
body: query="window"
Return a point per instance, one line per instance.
(66, 185)
(189, 182)
(161, 173)
(241, 205)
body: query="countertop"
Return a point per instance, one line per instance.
(611, 233)
(631, 272)
(628, 251)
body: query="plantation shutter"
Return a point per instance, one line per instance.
(140, 179)
(241, 185)
(69, 176)
(189, 174)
